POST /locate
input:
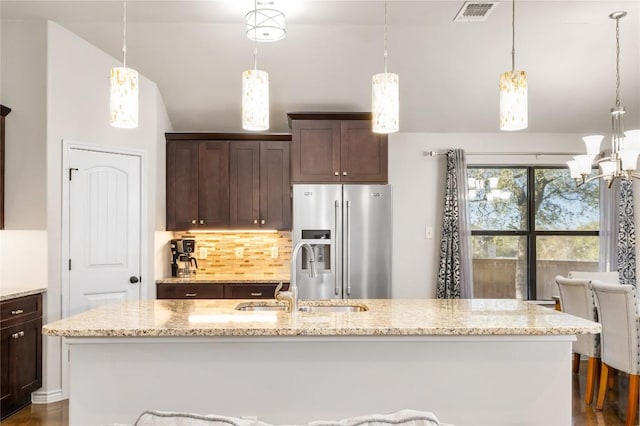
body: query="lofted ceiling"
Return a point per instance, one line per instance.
(196, 51)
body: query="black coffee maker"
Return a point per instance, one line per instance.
(183, 264)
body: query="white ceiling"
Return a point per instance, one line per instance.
(196, 51)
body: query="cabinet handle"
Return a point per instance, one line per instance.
(17, 335)
(17, 312)
(344, 173)
(255, 221)
(201, 222)
(191, 294)
(336, 173)
(262, 222)
(193, 222)
(258, 294)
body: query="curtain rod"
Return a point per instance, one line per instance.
(435, 153)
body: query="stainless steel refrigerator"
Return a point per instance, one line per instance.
(349, 229)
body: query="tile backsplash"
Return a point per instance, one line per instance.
(241, 252)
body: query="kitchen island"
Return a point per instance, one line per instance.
(471, 362)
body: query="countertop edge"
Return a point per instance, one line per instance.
(224, 280)
(20, 292)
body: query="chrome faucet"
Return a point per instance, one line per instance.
(291, 296)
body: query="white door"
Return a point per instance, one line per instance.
(104, 228)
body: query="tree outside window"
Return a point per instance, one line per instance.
(528, 225)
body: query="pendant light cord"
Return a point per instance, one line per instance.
(385, 37)
(513, 36)
(255, 38)
(617, 62)
(124, 34)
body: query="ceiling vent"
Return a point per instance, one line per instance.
(475, 11)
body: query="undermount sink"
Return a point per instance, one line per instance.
(306, 308)
(333, 308)
(260, 307)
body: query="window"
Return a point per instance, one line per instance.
(528, 225)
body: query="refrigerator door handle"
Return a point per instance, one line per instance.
(348, 247)
(336, 219)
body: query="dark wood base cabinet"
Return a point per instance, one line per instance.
(20, 352)
(218, 290)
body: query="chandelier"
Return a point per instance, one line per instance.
(265, 23)
(622, 162)
(513, 89)
(123, 99)
(385, 98)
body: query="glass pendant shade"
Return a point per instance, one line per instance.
(592, 143)
(123, 101)
(265, 25)
(255, 100)
(513, 100)
(584, 163)
(608, 168)
(628, 159)
(573, 169)
(385, 102)
(632, 139)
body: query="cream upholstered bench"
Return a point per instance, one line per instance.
(398, 418)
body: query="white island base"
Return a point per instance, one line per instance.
(463, 380)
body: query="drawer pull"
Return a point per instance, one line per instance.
(256, 294)
(17, 335)
(191, 294)
(17, 312)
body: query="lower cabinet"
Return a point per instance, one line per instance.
(20, 352)
(217, 290)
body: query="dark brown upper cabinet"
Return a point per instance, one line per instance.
(4, 111)
(228, 181)
(197, 185)
(260, 184)
(337, 147)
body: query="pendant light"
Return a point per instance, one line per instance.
(255, 93)
(123, 101)
(513, 89)
(385, 98)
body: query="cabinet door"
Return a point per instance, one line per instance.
(22, 347)
(182, 186)
(364, 154)
(275, 186)
(244, 187)
(213, 185)
(315, 151)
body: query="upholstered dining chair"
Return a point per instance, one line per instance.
(618, 313)
(608, 277)
(576, 299)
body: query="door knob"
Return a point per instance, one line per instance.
(344, 173)
(133, 279)
(336, 173)
(262, 222)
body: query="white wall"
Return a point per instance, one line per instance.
(418, 190)
(23, 243)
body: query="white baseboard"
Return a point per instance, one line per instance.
(47, 397)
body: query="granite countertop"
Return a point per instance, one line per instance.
(227, 278)
(8, 293)
(394, 317)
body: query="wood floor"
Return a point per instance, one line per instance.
(57, 414)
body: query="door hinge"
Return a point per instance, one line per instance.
(71, 169)
(69, 264)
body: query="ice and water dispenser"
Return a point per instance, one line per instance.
(320, 242)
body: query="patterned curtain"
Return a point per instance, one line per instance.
(626, 253)
(455, 277)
